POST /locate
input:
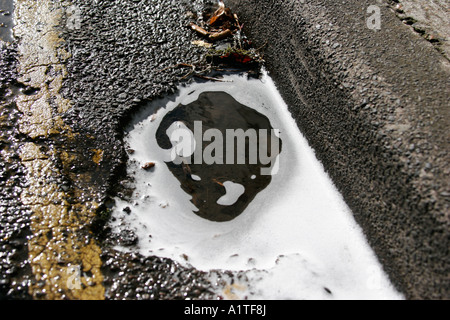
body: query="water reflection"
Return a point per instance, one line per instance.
(222, 190)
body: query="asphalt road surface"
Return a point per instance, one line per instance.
(373, 104)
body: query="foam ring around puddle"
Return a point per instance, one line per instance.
(296, 239)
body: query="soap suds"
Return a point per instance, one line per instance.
(296, 240)
(232, 193)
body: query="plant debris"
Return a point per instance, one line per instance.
(148, 165)
(221, 33)
(220, 25)
(202, 43)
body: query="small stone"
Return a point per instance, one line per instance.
(127, 210)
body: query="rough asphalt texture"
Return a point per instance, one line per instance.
(429, 18)
(122, 55)
(374, 104)
(14, 216)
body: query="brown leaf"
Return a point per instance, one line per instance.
(148, 165)
(223, 17)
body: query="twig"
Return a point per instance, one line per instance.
(198, 29)
(220, 35)
(219, 183)
(211, 78)
(265, 44)
(187, 75)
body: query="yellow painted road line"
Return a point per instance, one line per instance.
(64, 258)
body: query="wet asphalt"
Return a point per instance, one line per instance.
(352, 93)
(122, 56)
(374, 106)
(15, 217)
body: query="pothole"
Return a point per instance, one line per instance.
(276, 226)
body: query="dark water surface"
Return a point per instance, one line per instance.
(218, 110)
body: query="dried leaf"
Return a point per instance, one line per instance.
(240, 58)
(223, 17)
(202, 43)
(215, 18)
(148, 165)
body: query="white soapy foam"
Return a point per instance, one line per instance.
(232, 193)
(296, 238)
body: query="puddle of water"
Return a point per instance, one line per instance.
(297, 239)
(6, 20)
(216, 187)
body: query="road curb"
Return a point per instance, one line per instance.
(373, 103)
